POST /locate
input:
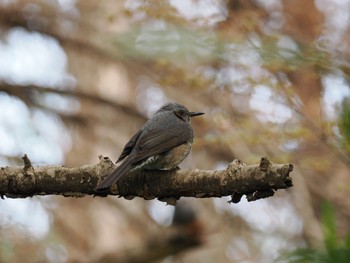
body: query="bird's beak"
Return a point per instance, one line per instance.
(193, 114)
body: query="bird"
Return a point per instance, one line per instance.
(161, 144)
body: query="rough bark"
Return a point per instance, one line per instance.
(255, 181)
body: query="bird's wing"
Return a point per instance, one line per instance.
(129, 146)
(156, 141)
(144, 145)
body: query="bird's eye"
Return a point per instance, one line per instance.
(180, 114)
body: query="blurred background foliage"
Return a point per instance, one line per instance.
(78, 78)
(334, 249)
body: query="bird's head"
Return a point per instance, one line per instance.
(180, 111)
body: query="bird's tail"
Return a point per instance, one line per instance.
(117, 173)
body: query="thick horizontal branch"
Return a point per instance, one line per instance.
(255, 181)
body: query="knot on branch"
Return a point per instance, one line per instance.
(234, 167)
(103, 169)
(264, 164)
(25, 182)
(27, 162)
(105, 163)
(284, 174)
(260, 195)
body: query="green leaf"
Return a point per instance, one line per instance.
(329, 226)
(345, 124)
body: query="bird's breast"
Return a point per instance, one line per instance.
(169, 159)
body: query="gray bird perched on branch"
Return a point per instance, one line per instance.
(161, 144)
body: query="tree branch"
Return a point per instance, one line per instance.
(238, 179)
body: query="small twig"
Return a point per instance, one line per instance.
(27, 163)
